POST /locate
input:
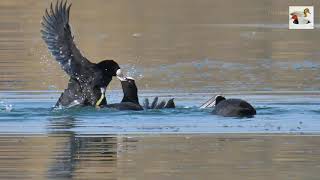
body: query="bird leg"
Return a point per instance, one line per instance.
(103, 91)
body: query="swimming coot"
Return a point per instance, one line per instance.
(130, 100)
(88, 81)
(230, 107)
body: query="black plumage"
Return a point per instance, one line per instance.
(161, 105)
(130, 100)
(88, 81)
(230, 107)
(233, 107)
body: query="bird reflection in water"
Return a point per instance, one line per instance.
(76, 155)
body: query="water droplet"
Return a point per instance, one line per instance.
(8, 108)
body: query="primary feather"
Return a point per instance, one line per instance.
(56, 33)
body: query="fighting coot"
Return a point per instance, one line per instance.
(88, 81)
(130, 100)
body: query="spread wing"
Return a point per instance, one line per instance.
(56, 33)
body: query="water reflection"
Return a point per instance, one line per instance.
(66, 156)
(80, 156)
(61, 124)
(84, 157)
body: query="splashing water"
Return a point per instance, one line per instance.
(133, 71)
(5, 107)
(275, 114)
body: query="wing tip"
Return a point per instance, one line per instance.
(58, 12)
(56, 17)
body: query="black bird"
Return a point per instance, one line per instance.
(130, 100)
(230, 107)
(88, 81)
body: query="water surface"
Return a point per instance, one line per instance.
(285, 112)
(206, 156)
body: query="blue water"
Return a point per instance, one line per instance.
(286, 112)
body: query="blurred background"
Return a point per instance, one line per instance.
(186, 45)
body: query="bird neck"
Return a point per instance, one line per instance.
(132, 99)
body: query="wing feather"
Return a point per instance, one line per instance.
(56, 33)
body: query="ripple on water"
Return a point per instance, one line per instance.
(270, 110)
(317, 111)
(273, 115)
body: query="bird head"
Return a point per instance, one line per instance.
(218, 99)
(294, 17)
(130, 90)
(110, 67)
(306, 11)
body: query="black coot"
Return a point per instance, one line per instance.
(130, 100)
(230, 107)
(88, 81)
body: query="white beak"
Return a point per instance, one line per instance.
(120, 76)
(119, 72)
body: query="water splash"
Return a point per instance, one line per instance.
(133, 71)
(5, 106)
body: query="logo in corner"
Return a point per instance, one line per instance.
(301, 17)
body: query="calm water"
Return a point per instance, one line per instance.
(237, 156)
(187, 49)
